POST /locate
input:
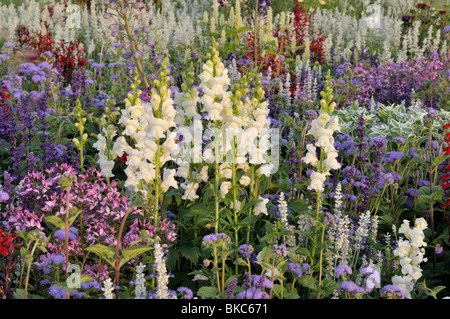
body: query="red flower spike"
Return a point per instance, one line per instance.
(446, 177)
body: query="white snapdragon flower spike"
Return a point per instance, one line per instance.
(169, 179)
(190, 192)
(105, 161)
(311, 157)
(322, 129)
(224, 188)
(411, 252)
(216, 97)
(260, 207)
(317, 181)
(146, 139)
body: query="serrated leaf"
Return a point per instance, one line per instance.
(292, 295)
(131, 252)
(277, 290)
(106, 252)
(20, 292)
(55, 221)
(207, 292)
(308, 282)
(190, 253)
(328, 286)
(298, 206)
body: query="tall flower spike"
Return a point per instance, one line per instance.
(140, 289)
(322, 129)
(162, 276)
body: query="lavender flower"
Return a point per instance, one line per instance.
(393, 156)
(186, 293)
(343, 270)
(61, 234)
(351, 287)
(392, 292)
(245, 250)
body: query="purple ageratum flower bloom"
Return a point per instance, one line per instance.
(91, 284)
(279, 250)
(77, 294)
(45, 66)
(306, 269)
(261, 281)
(61, 234)
(58, 259)
(399, 139)
(245, 250)
(351, 287)
(45, 282)
(253, 293)
(99, 66)
(392, 292)
(295, 268)
(343, 270)
(393, 156)
(378, 142)
(186, 293)
(214, 238)
(412, 192)
(8, 45)
(38, 78)
(446, 29)
(57, 293)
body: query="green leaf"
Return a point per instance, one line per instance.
(439, 159)
(308, 282)
(266, 253)
(207, 292)
(292, 295)
(387, 219)
(143, 235)
(189, 252)
(328, 286)
(277, 290)
(55, 221)
(249, 220)
(20, 292)
(106, 252)
(298, 206)
(73, 215)
(26, 255)
(131, 252)
(425, 196)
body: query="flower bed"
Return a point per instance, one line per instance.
(224, 150)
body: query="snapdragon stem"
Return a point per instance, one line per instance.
(216, 186)
(236, 228)
(315, 232)
(29, 270)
